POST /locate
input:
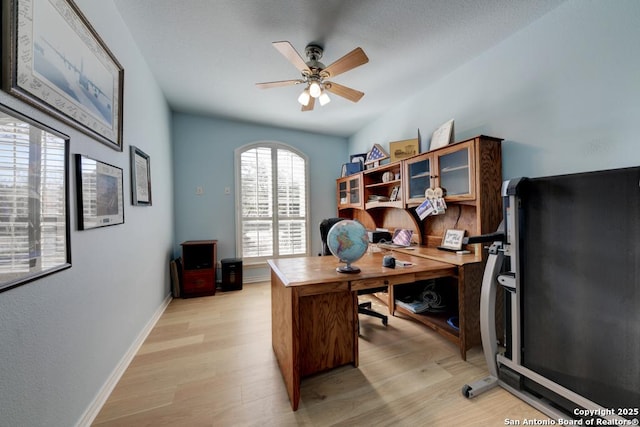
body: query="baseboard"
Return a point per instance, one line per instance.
(94, 408)
(257, 279)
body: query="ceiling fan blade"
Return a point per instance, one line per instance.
(267, 85)
(351, 60)
(310, 105)
(292, 55)
(344, 91)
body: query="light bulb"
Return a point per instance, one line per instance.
(315, 89)
(324, 98)
(304, 98)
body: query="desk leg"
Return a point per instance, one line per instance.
(284, 337)
(391, 303)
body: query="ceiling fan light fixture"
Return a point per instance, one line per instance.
(324, 98)
(304, 97)
(314, 89)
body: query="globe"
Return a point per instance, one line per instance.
(348, 240)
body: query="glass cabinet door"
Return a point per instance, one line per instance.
(418, 178)
(343, 193)
(354, 191)
(454, 173)
(349, 191)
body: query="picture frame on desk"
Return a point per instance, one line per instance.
(452, 240)
(58, 63)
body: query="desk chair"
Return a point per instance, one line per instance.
(365, 307)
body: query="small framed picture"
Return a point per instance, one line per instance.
(99, 193)
(394, 193)
(442, 136)
(403, 149)
(140, 178)
(355, 158)
(452, 239)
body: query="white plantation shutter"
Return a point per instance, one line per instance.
(272, 201)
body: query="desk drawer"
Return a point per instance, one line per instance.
(387, 281)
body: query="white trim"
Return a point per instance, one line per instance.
(96, 405)
(257, 279)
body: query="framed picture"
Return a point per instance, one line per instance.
(56, 61)
(452, 240)
(442, 136)
(394, 193)
(361, 158)
(140, 178)
(99, 193)
(376, 154)
(34, 213)
(402, 149)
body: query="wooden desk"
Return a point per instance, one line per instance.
(314, 309)
(469, 272)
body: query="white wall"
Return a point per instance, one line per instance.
(63, 335)
(564, 94)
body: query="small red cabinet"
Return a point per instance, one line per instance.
(199, 260)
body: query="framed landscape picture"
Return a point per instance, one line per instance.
(34, 205)
(99, 193)
(56, 61)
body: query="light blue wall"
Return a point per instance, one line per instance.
(203, 154)
(564, 93)
(62, 336)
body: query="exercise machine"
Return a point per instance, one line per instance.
(566, 264)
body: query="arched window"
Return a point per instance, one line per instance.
(271, 201)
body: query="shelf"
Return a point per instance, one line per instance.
(436, 321)
(420, 175)
(454, 168)
(396, 204)
(383, 184)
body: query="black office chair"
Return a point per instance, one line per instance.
(365, 307)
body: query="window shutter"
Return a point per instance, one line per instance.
(291, 203)
(257, 202)
(273, 198)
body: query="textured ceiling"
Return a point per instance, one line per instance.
(207, 55)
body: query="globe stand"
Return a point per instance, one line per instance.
(348, 269)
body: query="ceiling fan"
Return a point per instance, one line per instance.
(316, 76)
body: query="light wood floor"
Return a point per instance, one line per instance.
(209, 362)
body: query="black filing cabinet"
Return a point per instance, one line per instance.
(231, 274)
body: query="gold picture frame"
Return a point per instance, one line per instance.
(399, 150)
